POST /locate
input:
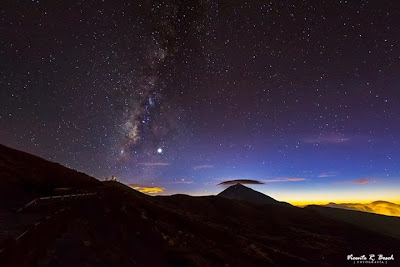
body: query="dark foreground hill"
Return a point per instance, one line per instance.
(24, 176)
(122, 227)
(387, 225)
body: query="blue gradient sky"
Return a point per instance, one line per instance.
(251, 90)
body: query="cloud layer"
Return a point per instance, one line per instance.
(358, 181)
(380, 207)
(326, 175)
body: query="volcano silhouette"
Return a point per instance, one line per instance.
(244, 193)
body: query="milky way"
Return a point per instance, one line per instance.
(184, 95)
(147, 115)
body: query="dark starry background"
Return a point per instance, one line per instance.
(299, 92)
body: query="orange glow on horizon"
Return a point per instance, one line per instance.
(389, 208)
(148, 189)
(344, 201)
(325, 202)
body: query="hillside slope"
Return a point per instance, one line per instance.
(24, 176)
(387, 225)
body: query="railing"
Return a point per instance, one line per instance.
(26, 243)
(43, 225)
(59, 197)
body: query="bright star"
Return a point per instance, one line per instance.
(159, 150)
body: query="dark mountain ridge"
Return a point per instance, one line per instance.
(244, 193)
(25, 176)
(387, 225)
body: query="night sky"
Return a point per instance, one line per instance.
(183, 95)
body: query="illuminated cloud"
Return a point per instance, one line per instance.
(153, 164)
(358, 181)
(240, 181)
(379, 207)
(326, 175)
(199, 167)
(288, 179)
(326, 139)
(147, 189)
(362, 181)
